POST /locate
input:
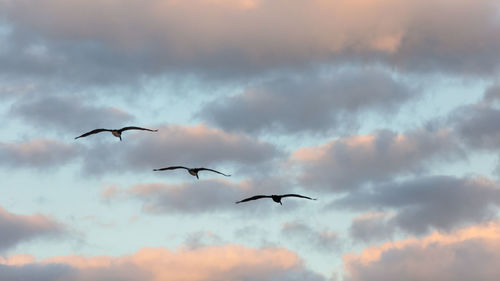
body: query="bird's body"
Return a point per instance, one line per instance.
(276, 198)
(191, 171)
(116, 132)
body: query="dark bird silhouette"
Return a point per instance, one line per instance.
(276, 198)
(192, 171)
(116, 132)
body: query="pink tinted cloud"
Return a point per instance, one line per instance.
(227, 262)
(468, 254)
(16, 228)
(173, 145)
(347, 162)
(265, 34)
(202, 196)
(37, 153)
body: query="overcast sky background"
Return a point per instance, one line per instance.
(387, 111)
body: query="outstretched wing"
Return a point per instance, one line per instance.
(253, 198)
(297, 195)
(136, 128)
(171, 168)
(206, 169)
(93, 132)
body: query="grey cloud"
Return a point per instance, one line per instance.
(308, 103)
(372, 227)
(57, 272)
(201, 239)
(68, 114)
(37, 153)
(14, 89)
(492, 94)
(453, 260)
(253, 233)
(175, 145)
(434, 202)
(318, 240)
(349, 162)
(296, 274)
(29, 56)
(81, 41)
(477, 125)
(15, 228)
(52, 272)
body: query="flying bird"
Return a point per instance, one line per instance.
(276, 198)
(116, 132)
(191, 171)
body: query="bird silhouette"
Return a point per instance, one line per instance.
(191, 171)
(276, 198)
(116, 132)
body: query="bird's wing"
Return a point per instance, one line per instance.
(136, 128)
(171, 168)
(206, 169)
(253, 198)
(93, 132)
(297, 195)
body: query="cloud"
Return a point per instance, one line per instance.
(346, 163)
(176, 145)
(371, 227)
(205, 196)
(308, 103)
(81, 41)
(492, 93)
(318, 240)
(35, 272)
(68, 114)
(16, 228)
(432, 202)
(201, 239)
(226, 262)
(468, 254)
(477, 125)
(37, 153)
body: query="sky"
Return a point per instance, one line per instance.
(386, 111)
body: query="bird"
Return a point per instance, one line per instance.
(276, 198)
(116, 132)
(192, 171)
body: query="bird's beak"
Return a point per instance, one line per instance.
(281, 203)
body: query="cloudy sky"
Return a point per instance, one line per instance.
(387, 111)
